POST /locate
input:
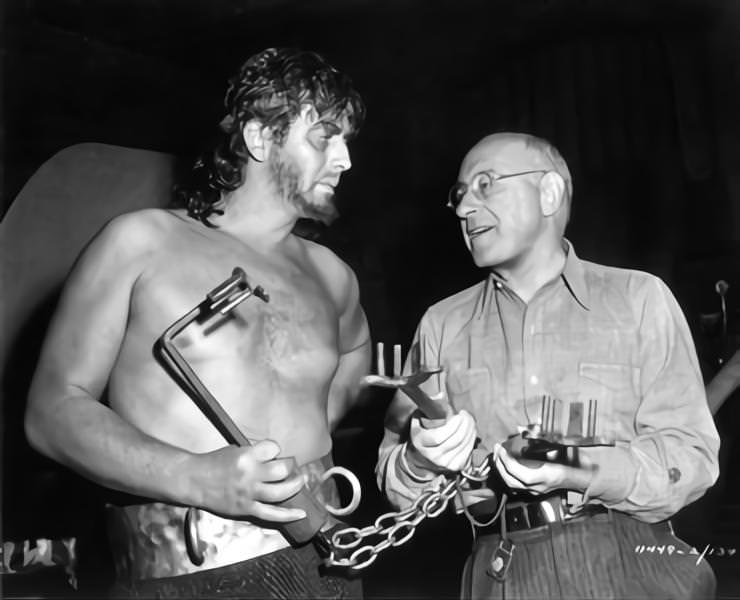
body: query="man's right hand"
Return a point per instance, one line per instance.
(250, 481)
(446, 447)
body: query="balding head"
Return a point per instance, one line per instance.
(515, 152)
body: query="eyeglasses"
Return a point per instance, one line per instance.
(481, 185)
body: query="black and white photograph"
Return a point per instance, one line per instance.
(370, 299)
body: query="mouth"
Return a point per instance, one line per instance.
(478, 231)
(327, 185)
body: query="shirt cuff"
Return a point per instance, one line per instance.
(615, 475)
(415, 475)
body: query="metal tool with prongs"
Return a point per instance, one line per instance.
(409, 384)
(545, 441)
(222, 300)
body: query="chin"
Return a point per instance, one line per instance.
(323, 211)
(482, 258)
(484, 264)
(488, 260)
(319, 199)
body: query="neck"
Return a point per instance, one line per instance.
(526, 274)
(257, 215)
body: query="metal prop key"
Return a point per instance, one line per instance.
(221, 301)
(409, 384)
(546, 442)
(396, 528)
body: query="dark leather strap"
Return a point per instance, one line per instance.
(542, 513)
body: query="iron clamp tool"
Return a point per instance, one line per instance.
(221, 301)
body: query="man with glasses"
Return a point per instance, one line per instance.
(582, 381)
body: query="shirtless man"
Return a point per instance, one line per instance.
(286, 371)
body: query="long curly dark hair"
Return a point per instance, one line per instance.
(271, 86)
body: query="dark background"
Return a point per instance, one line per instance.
(641, 97)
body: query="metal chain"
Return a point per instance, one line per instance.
(398, 527)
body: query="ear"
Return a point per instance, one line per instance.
(255, 140)
(552, 190)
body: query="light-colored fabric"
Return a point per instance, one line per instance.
(614, 335)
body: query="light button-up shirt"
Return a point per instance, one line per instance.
(594, 333)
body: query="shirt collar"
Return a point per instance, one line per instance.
(573, 276)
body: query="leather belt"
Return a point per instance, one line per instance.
(522, 516)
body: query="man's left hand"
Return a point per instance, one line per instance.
(542, 479)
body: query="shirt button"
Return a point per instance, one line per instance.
(533, 380)
(674, 474)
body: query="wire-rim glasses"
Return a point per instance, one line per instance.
(481, 185)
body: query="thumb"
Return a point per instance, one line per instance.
(265, 450)
(441, 394)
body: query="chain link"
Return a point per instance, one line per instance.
(397, 528)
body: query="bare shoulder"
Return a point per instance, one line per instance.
(133, 235)
(139, 229)
(123, 247)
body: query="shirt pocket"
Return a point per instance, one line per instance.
(614, 387)
(470, 389)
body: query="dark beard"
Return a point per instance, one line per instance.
(286, 176)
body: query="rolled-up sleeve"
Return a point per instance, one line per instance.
(672, 460)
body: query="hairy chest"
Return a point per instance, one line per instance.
(288, 334)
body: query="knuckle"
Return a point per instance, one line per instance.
(244, 459)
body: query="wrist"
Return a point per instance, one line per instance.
(185, 485)
(415, 465)
(613, 473)
(578, 479)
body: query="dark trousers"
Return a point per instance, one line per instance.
(603, 556)
(285, 574)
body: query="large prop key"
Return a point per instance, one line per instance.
(222, 300)
(545, 442)
(432, 409)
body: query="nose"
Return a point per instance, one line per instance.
(340, 156)
(467, 206)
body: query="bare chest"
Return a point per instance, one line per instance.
(286, 339)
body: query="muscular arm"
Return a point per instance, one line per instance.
(673, 458)
(66, 421)
(354, 353)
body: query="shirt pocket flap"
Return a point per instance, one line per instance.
(616, 377)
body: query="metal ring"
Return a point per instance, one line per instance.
(356, 491)
(192, 540)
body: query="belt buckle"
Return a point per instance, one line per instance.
(540, 514)
(552, 514)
